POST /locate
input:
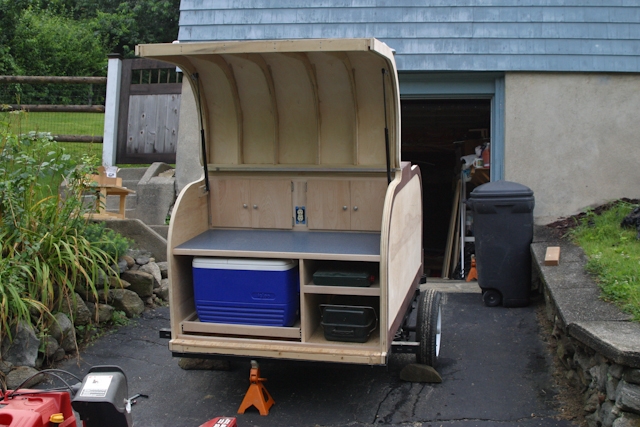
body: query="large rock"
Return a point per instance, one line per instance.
(23, 349)
(153, 269)
(628, 397)
(77, 310)
(627, 420)
(60, 326)
(127, 301)
(123, 266)
(164, 268)
(50, 347)
(599, 377)
(163, 291)
(105, 311)
(141, 282)
(632, 376)
(16, 377)
(5, 367)
(63, 331)
(129, 260)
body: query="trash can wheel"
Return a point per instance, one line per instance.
(429, 326)
(491, 297)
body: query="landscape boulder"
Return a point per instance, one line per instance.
(77, 310)
(153, 269)
(22, 350)
(141, 282)
(19, 375)
(105, 311)
(127, 301)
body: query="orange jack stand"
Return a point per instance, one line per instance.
(257, 395)
(473, 274)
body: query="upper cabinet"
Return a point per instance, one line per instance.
(251, 203)
(346, 204)
(292, 103)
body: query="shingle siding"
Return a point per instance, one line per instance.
(464, 35)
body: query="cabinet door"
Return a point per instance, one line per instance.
(271, 204)
(328, 205)
(367, 202)
(230, 200)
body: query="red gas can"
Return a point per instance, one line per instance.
(221, 422)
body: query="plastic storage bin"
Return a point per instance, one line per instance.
(342, 277)
(246, 291)
(348, 323)
(503, 230)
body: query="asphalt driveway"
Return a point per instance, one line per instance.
(495, 370)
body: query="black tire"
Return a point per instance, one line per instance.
(429, 326)
(492, 298)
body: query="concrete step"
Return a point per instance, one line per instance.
(131, 174)
(162, 230)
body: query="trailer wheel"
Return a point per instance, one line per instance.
(429, 326)
(492, 298)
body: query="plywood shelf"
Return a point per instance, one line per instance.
(318, 338)
(195, 326)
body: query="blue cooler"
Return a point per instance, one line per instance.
(246, 291)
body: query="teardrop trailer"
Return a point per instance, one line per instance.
(303, 238)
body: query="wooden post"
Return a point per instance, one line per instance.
(112, 102)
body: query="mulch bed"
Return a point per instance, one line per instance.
(564, 225)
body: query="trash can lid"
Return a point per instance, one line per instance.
(501, 189)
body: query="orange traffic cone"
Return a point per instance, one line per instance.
(473, 274)
(257, 395)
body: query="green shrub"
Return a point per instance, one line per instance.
(114, 244)
(44, 250)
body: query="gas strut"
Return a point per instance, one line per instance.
(386, 127)
(203, 143)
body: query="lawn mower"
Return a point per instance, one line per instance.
(98, 400)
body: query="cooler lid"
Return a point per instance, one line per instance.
(501, 189)
(244, 263)
(287, 103)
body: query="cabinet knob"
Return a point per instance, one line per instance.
(355, 208)
(344, 208)
(244, 205)
(255, 206)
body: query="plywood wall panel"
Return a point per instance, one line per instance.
(297, 113)
(336, 103)
(257, 102)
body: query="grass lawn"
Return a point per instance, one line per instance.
(61, 124)
(57, 123)
(614, 255)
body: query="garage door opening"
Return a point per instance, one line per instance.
(436, 133)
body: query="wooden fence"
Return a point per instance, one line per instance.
(141, 124)
(149, 109)
(59, 108)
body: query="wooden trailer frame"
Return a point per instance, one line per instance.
(287, 125)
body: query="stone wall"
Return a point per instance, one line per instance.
(611, 391)
(597, 345)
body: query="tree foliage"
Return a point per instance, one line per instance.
(73, 37)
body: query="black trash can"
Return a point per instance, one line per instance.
(503, 230)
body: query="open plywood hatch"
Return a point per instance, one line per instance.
(320, 105)
(288, 104)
